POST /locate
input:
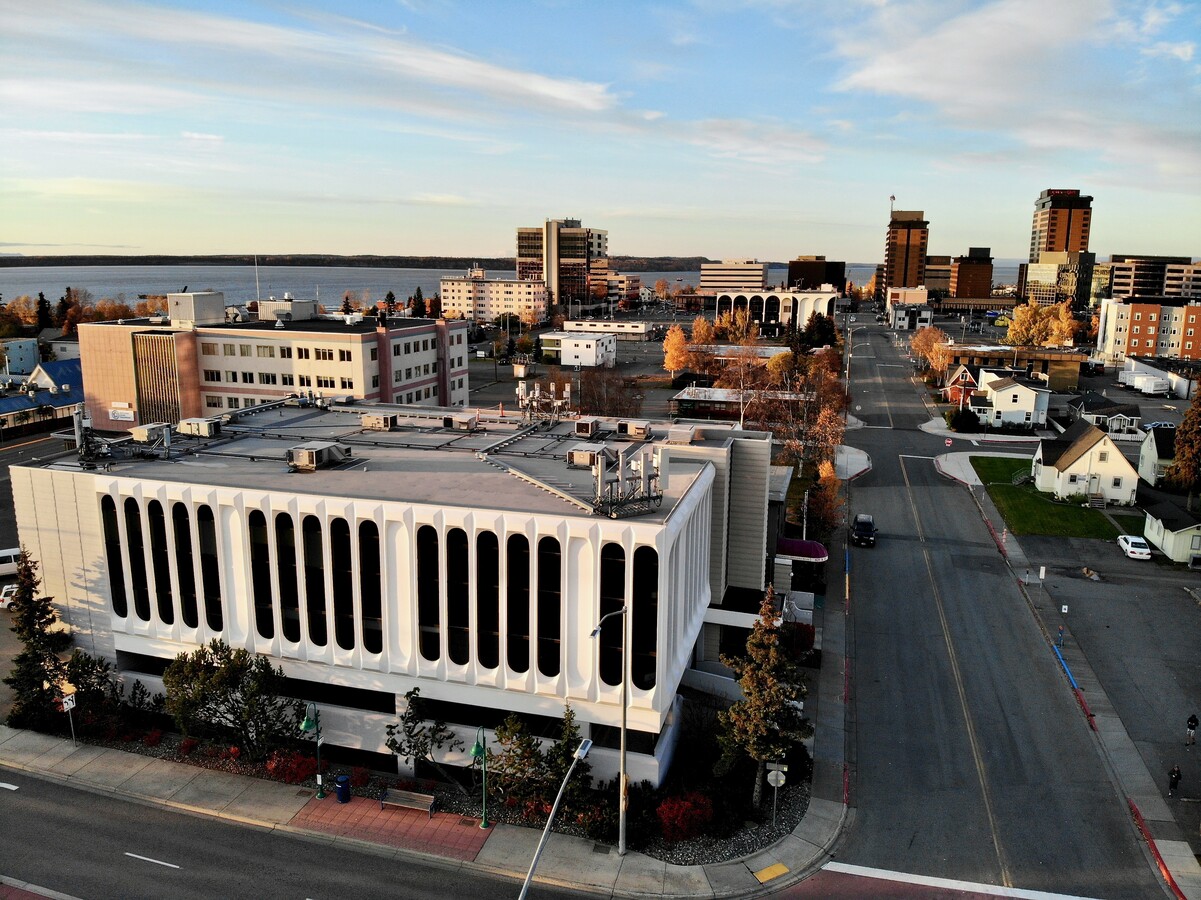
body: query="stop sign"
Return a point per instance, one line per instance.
(949, 442)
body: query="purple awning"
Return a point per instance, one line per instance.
(802, 551)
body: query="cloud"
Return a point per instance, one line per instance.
(1181, 50)
(439, 200)
(201, 136)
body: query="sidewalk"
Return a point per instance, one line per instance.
(503, 850)
(1129, 773)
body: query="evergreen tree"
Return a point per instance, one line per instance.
(417, 304)
(1184, 474)
(45, 315)
(62, 311)
(37, 670)
(767, 723)
(390, 302)
(559, 759)
(519, 771)
(347, 308)
(415, 737)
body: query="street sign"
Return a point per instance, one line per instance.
(777, 767)
(949, 442)
(68, 702)
(1063, 609)
(775, 779)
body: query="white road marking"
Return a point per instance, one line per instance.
(157, 862)
(950, 884)
(7, 786)
(911, 456)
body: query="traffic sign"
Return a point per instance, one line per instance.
(777, 767)
(949, 442)
(68, 702)
(775, 779)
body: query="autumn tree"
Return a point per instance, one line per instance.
(826, 502)
(23, 308)
(675, 350)
(37, 671)
(702, 331)
(767, 723)
(924, 341)
(662, 289)
(1061, 325)
(415, 737)
(235, 691)
(940, 357)
(1029, 325)
(1184, 474)
(742, 329)
(780, 369)
(604, 392)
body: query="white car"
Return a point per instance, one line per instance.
(6, 596)
(1134, 546)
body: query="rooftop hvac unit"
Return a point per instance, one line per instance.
(149, 433)
(200, 427)
(316, 455)
(378, 421)
(586, 427)
(585, 456)
(461, 422)
(635, 430)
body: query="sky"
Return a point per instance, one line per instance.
(760, 128)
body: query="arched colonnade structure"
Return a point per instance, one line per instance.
(785, 308)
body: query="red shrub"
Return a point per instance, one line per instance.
(187, 745)
(685, 817)
(234, 751)
(153, 738)
(291, 768)
(359, 776)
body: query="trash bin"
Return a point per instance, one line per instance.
(342, 788)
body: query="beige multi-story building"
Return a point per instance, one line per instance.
(1182, 280)
(905, 250)
(733, 275)
(1146, 276)
(198, 361)
(477, 298)
(617, 288)
(560, 253)
(1062, 220)
(939, 270)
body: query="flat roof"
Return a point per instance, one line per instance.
(366, 325)
(505, 464)
(575, 335)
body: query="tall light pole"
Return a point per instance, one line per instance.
(479, 750)
(622, 785)
(580, 753)
(314, 724)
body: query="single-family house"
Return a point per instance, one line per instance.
(1171, 527)
(1112, 416)
(1084, 461)
(1155, 454)
(1004, 400)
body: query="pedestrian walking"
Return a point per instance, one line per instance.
(1173, 779)
(1190, 731)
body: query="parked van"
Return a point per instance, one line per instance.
(8, 561)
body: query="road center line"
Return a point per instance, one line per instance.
(949, 884)
(157, 862)
(986, 794)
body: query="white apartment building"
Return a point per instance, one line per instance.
(577, 348)
(1150, 326)
(624, 330)
(733, 275)
(470, 556)
(202, 362)
(477, 298)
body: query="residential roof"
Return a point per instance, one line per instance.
(1170, 509)
(46, 335)
(1165, 442)
(1060, 452)
(60, 372)
(1099, 405)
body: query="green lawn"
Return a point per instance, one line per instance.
(1026, 511)
(1130, 524)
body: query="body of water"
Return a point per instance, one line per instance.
(328, 284)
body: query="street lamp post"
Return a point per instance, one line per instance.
(314, 724)
(580, 753)
(622, 786)
(479, 750)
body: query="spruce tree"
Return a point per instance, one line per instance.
(559, 758)
(1184, 474)
(768, 722)
(37, 670)
(518, 773)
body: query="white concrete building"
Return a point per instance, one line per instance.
(20, 356)
(477, 298)
(907, 296)
(623, 329)
(578, 348)
(1083, 461)
(733, 275)
(788, 308)
(468, 555)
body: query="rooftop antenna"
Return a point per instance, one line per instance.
(892, 198)
(257, 292)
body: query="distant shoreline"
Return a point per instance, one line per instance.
(618, 263)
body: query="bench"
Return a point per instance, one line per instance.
(407, 799)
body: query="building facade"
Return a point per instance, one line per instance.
(1062, 220)
(561, 253)
(624, 330)
(971, 275)
(138, 371)
(477, 298)
(1150, 326)
(810, 273)
(577, 348)
(939, 270)
(470, 558)
(1147, 276)
(1056, 277)
(733, 275)
(789, 309)
(905, 249)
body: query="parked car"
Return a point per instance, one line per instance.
(863, 531)
(1149, 425)
(6, 596)
(1134, 546)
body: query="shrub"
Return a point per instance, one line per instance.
(153, 738)
(187, 745)
(964, 421)
(685, 817)
(359, 777)
(291, 767)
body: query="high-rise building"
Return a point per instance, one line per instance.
(733, 274)
(971, 275)
(1182, 280)
(938, 274)
(1062, 217)
(1143, 276)
(905, 251)
(809, 273)
(560, 252)
(477, 298)
(1057, 277)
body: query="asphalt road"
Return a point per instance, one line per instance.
(97, 846)
(970, 759)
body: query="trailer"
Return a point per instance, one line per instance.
(1151, 385)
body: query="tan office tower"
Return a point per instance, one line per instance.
(1062, 218)
(905, 252)
(560, 253)
(971, 275)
